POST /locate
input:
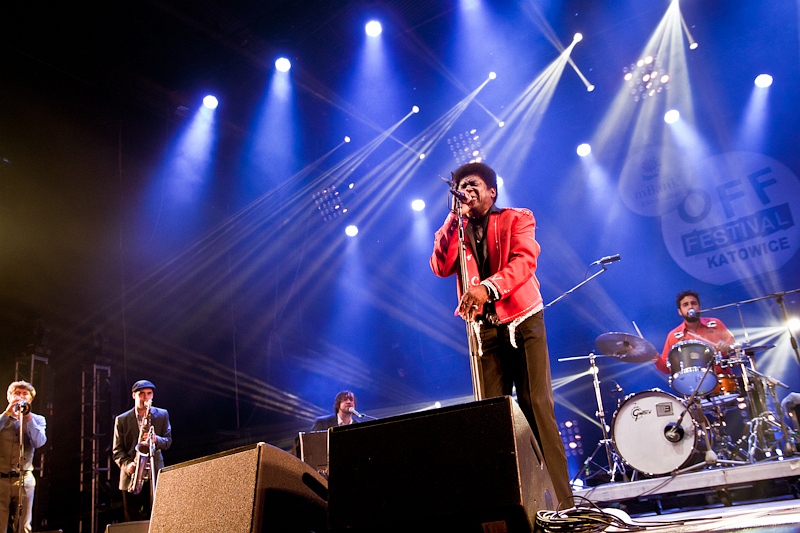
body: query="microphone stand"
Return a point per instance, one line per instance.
(778, 296)
(710, 455)
(20, 459)
(478, 391)
(579, 285)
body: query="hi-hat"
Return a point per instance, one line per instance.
(752, 350)
(626, 347)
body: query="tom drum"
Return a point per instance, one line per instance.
(687, 362)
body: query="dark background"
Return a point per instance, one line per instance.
(101, 257)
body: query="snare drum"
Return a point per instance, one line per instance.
(687, 362)
(638, 432)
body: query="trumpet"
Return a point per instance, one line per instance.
(144, 451)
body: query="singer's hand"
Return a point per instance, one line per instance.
(472, 301)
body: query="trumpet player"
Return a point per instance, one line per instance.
(17, 483)
(149, 426)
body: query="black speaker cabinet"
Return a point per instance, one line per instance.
(472, 467)
(252, 489)
(140, 526)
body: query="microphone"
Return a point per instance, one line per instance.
(607, 259)
(353, 412)
(22, 407)
(673, 432)
(691, 312)
(461, 195)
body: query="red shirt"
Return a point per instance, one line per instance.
(709, 329)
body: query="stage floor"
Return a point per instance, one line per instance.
(760, 497)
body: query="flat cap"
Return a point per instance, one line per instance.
(143, 384)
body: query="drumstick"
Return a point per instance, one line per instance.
(637, 329)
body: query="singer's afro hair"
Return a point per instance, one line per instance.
(482, 170)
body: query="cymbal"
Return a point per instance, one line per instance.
(752, 350)
(626, 347)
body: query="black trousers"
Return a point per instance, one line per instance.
(527, 368)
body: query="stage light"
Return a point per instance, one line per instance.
(501, 123)
(671, 116)
(283, 64)
(693, 46)
(351, 185)
(437, 404)
(628, 76)
(500, 181)
(415, 109)
(492, 75)
(664, 78)
(589, 88)
(577, 37)
(418, 205)
(351, 231)
(346, 139)
(373, 28)
(584, 150)
(648, 60)
(422, 156)
(210, 102)
(763, 81)
(794, 324)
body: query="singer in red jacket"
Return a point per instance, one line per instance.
(504, 302)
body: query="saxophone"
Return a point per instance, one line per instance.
(143, 451)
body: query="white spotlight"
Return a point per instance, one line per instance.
(415, 109)
(346, 139)
(210, 102)
(422, 156)
(373, 28)
(351, 231)
(418, 205)
(590, 88)
(501, 123)
(794, 324)
(577, 37)
(500, 182)
(283, 64)
(671, 116)
(492, 75)
(693, 46)
(584, 149)
(763, 80)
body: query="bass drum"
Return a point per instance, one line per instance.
(638, 432)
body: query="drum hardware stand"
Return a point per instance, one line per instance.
(766, 420)
(614, 463)
(674, 432)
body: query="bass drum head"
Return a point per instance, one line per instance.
(638, 430)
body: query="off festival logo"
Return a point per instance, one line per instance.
(737, 220)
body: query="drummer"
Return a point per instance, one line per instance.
(694, 327)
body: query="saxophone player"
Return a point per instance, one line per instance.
(149, 425)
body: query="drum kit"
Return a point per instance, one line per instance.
(714, 419)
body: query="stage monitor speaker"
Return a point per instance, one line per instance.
(252, 489)
(471, 467)
(140, 526)
(314, 450)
